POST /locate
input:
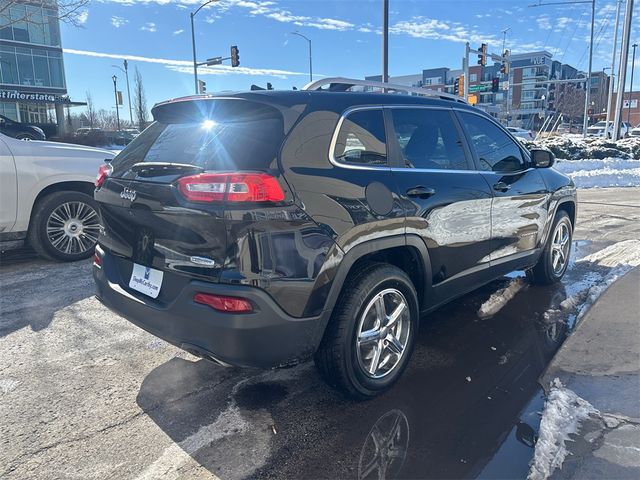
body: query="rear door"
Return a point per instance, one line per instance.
(447, 202)
(521, 197)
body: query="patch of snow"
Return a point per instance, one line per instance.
(624, 253)
(608, 172)
(499, 299)
(562, 415)
(8, 385)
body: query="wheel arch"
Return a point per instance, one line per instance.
(70, 186)
(407, 252)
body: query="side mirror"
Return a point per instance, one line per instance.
(542, 158)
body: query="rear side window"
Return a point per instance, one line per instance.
(428, 139)
(496, 151)
(361, 139)
(228, 135)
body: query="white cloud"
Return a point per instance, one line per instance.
(148, 27)
(186, 66)
(83, 16)
(178, 32)
(421, 27)
(118, 21)
(543, 22)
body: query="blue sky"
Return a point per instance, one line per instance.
(155, 36)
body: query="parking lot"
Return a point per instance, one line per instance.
(85, 394)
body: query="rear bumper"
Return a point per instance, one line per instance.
(265, 338)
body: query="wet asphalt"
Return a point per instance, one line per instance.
(85, 394)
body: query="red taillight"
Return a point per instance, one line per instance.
(97, 260)
(223, 303)
(232, 187)
(103, 172)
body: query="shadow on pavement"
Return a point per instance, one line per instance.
(459, 404)
(32, 289)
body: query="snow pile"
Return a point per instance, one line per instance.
(562, 415)
(571, 147)
(607, 172)
(499, 299)
(605, 267)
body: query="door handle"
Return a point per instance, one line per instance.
(501, 187)
(420, 192)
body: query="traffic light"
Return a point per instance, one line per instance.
(235, 56)
(202, 86)
(456, 86)
(269, 86)
(461, 86)
(495, 85)
(504, 68)
(482, 56)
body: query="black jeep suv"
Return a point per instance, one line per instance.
(260, 229)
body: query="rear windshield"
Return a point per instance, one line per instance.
(216, 135)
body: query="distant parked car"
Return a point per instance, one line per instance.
(569, 128)
(21, 131)
(46, 197)
(636, 131)
(598, 129)
(522, 133)
(86, 131)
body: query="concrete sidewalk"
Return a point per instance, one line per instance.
(600, 362)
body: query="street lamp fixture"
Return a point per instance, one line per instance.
(193, 41)
(310, 63)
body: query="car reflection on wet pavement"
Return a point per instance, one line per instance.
(462, 400)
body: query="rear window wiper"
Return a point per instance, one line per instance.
(163, 168)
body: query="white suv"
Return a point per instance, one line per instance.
(597, 130)
(46, 197)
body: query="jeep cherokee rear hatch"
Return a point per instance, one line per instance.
(163, 202)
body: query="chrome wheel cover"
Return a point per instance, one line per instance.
(560, 246)
(73, 228)
(382, 334)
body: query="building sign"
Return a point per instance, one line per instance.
(31, 97)
(537, 60)
(634, 103)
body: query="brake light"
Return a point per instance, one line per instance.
(232, 187)
(103, 172)
(223, 303)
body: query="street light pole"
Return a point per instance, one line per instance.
(310, 62)
(125, 70)
(193, 42)
(385, 41)
(115, 94)
(613, 66)
(633, 66)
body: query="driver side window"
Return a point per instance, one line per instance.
(496, 151)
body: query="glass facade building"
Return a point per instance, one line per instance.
(32, 80)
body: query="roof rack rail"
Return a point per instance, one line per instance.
(339, 84)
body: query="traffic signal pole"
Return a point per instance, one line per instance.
(465, 69)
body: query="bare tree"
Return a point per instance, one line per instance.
(106, 120)
(570, 101)
(69, 11)
(139, 101)
(91, 114)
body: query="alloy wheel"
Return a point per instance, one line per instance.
(383, 333)
(73, 228)
(560, 245)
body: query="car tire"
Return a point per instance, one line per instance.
(25, 136)
(554, 259)
(355, 332)
(65, 226)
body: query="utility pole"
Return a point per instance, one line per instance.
(633, 66)
(385, 41)
(465, 70)
(622, 72)
(126, 74)
(115, 94)
(613, 67)
(587, 92)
